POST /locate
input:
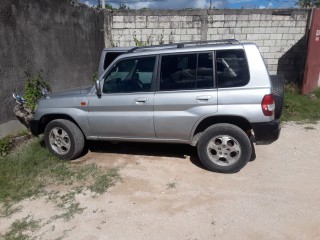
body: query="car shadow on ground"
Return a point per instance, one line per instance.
(181, 151)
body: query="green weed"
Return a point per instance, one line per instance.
(298, 107)
(30, 170)
(19, 228)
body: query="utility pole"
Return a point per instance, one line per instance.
(210, 5)
(103, 3)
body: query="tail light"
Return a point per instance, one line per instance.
(268, 105)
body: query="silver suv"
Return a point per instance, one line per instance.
(215, 95)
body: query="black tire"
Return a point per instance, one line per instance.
(236, 136)
(75, 139)
(278, 93)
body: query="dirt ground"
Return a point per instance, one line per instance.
(166, 194)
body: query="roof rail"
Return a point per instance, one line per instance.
(182, 44)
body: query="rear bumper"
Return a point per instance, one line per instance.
(266, 132)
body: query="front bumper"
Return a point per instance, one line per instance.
(266, 132)
(34, 127)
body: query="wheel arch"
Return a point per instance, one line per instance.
(50, 117)
(208, 121)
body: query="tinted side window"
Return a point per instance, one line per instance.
(187, 71)
(110, 56)
(178, 72)
(205, 71)
(232, 68)
(130, 75)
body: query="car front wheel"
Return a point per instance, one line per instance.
(224, 148)
(64, 139)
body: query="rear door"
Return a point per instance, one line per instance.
(125, 109)
(186, 92)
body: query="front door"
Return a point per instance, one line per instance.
(125, 108)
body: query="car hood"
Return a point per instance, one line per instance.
(71, 92)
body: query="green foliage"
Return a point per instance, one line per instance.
(28, 171)
(95, 77)
(141, 43)
(19, 228)
(161, 39)
(5, 145)
(308, 3)
(34, 83)
(298, 107)
(123, 6)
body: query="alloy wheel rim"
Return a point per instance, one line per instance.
(224, 150)
(59, 140)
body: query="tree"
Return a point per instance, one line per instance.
(123, 6)
(308, 3)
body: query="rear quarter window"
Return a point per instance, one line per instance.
(232, 68)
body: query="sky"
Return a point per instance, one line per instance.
(180, 4)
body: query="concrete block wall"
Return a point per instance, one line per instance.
(61, 37)
(280, 35)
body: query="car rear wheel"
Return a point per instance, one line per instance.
(224, 148)
(64, 139)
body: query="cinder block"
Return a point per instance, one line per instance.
(217, 17)
(187, 24)
(196, 24)
(181, 31)
(252, 37)
(269, 43)
(241, 37)
(152, 18)
(152, 24)
(276, 36)
(301, 23)
(117, 19)
(265, 17)
(264, 36)
(216, 24)
(141, 18)
(265, 23)
(229, 23)
(228, 17)
(177, 25)
(244, 17)
(264, 49)
(247, 30)
(289, 23)
(164, 24)
(212, 30)
(259, 30)
(117, 25)
(186, 37)
(141, 24)
(223, 31)
(253, 24)
(254, 17)
(128, 19)
(164, 18)
(157, 31)
(129, 25)
(282, 30)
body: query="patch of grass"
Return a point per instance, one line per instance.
(30, 170)
(298, 107)
(8, 143)
(19, 228)
(309, 128)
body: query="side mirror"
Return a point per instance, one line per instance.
(98, 88)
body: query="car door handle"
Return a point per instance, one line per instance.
(204, 98)
(141, 100)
